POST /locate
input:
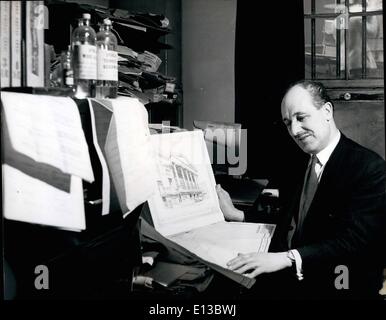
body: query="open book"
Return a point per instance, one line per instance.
(185, 207)
(173, 172)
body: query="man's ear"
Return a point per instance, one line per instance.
(328, 110)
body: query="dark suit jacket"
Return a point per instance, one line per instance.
(345, 225)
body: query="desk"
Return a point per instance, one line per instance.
(243, 192)
(90, 265)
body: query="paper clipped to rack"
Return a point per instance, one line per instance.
(105, 171)
(128, 153)
(48, 130)
(31, 200)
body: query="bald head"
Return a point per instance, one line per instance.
(317, 91)
(308, 115)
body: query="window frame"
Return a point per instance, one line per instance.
(339, 81)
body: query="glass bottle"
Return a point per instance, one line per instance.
(84, 58)
(67, 69)
(107, 62)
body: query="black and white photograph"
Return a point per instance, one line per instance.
(193, 158)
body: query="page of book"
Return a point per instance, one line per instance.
(185, 197)
(220, 242)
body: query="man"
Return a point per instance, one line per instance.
(332, 237)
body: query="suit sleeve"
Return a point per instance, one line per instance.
(364, 226)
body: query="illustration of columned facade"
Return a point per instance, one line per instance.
(178, 182)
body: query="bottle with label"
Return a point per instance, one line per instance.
(107, 62)
(84, 58)
(67, 69)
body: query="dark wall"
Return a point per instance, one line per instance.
(364, 122)
(269, 56)
(208, 47)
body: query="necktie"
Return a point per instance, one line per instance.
(309, 189)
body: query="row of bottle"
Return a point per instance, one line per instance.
(93, 58)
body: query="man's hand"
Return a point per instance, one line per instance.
(253, 264)
(227, 207)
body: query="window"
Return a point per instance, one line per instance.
(344, 40)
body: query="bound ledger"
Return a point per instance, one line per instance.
(173, 173)
(185, 207)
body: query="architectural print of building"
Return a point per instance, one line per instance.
(178, 184)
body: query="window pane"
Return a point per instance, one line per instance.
(307, 47)
(355, 6)
(355, 48)
(325, 48)
(375, 46)
(342, 54)
(307, 6)
(374, 5)
(325, 6)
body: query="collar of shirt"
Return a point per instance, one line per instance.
(325, 154)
